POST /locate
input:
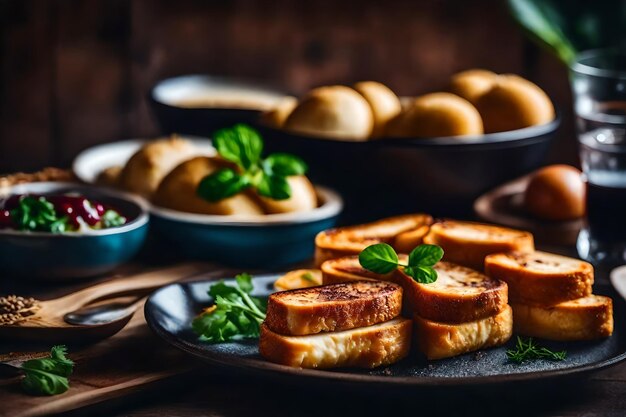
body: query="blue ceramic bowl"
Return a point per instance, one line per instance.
(261, 242)
(74, 255)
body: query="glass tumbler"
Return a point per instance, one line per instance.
(598, 79)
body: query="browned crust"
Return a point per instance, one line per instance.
(366, 347)
(441, 340)
(333, 307)
(566, 321)
(346, 241)
(348, 269)
(427, 300)
(537, 287)
(440, 305)
(472, 252)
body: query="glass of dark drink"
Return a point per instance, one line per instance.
(599, 90)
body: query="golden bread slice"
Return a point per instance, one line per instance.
(468, 243)
(364, 347)
(300, 278)
(441, 340)
(408, 230)
(586, 318)
(541, 278)
(348, 269)
(331, 308)
(460, 294)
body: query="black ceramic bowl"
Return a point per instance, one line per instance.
(201, 104)
(438, 175)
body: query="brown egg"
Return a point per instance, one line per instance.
(385, 104)
(514, 103)
(277, 116)
(436, 115)
(472, 84)
(303, 197)
(556, 192)
(177, 191)
(334, 112)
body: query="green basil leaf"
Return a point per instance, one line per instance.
(421, 274)
(379, 258)
(274, 187)
(425, 255)
(221, 184)
(239, 144)
(244, 281)
(284, 165)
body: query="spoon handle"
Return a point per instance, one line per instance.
(136, 284)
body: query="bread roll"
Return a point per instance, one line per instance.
(384, 103)
(277, 116)
(178, 191)
(472, 84)
(334, 112)
(303, 197)
(148, 166)
(514, 103)
(436, 115)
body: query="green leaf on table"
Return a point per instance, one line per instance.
(48, 376)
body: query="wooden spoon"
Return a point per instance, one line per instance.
(48, 323)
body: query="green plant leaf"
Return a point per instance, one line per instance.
(244, 281)
(239, 144)
(221, 184)
(274, 187)
(48, 376)
(284, 165)
(379, 258)
(421, 274)
(425, 255)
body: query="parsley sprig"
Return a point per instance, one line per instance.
(235, 315)
(48, 376)
(38, 214)
(243, 146)
(527, 350)
(381, 258)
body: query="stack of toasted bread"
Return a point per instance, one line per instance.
(354, 324)
(551, 296)
(467, 308)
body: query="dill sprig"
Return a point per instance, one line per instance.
(526, 350)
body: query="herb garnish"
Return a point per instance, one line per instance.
(112, 218)
(381, 258)
(48, 376)
(529, 350)
(38, 214)
(235, 315)
(243, 146)
(307, 276)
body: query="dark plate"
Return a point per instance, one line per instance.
(170, 310)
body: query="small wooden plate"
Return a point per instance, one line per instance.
(505, 206)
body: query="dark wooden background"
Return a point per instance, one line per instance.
(74, 73)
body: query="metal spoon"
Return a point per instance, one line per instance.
(105, 313)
